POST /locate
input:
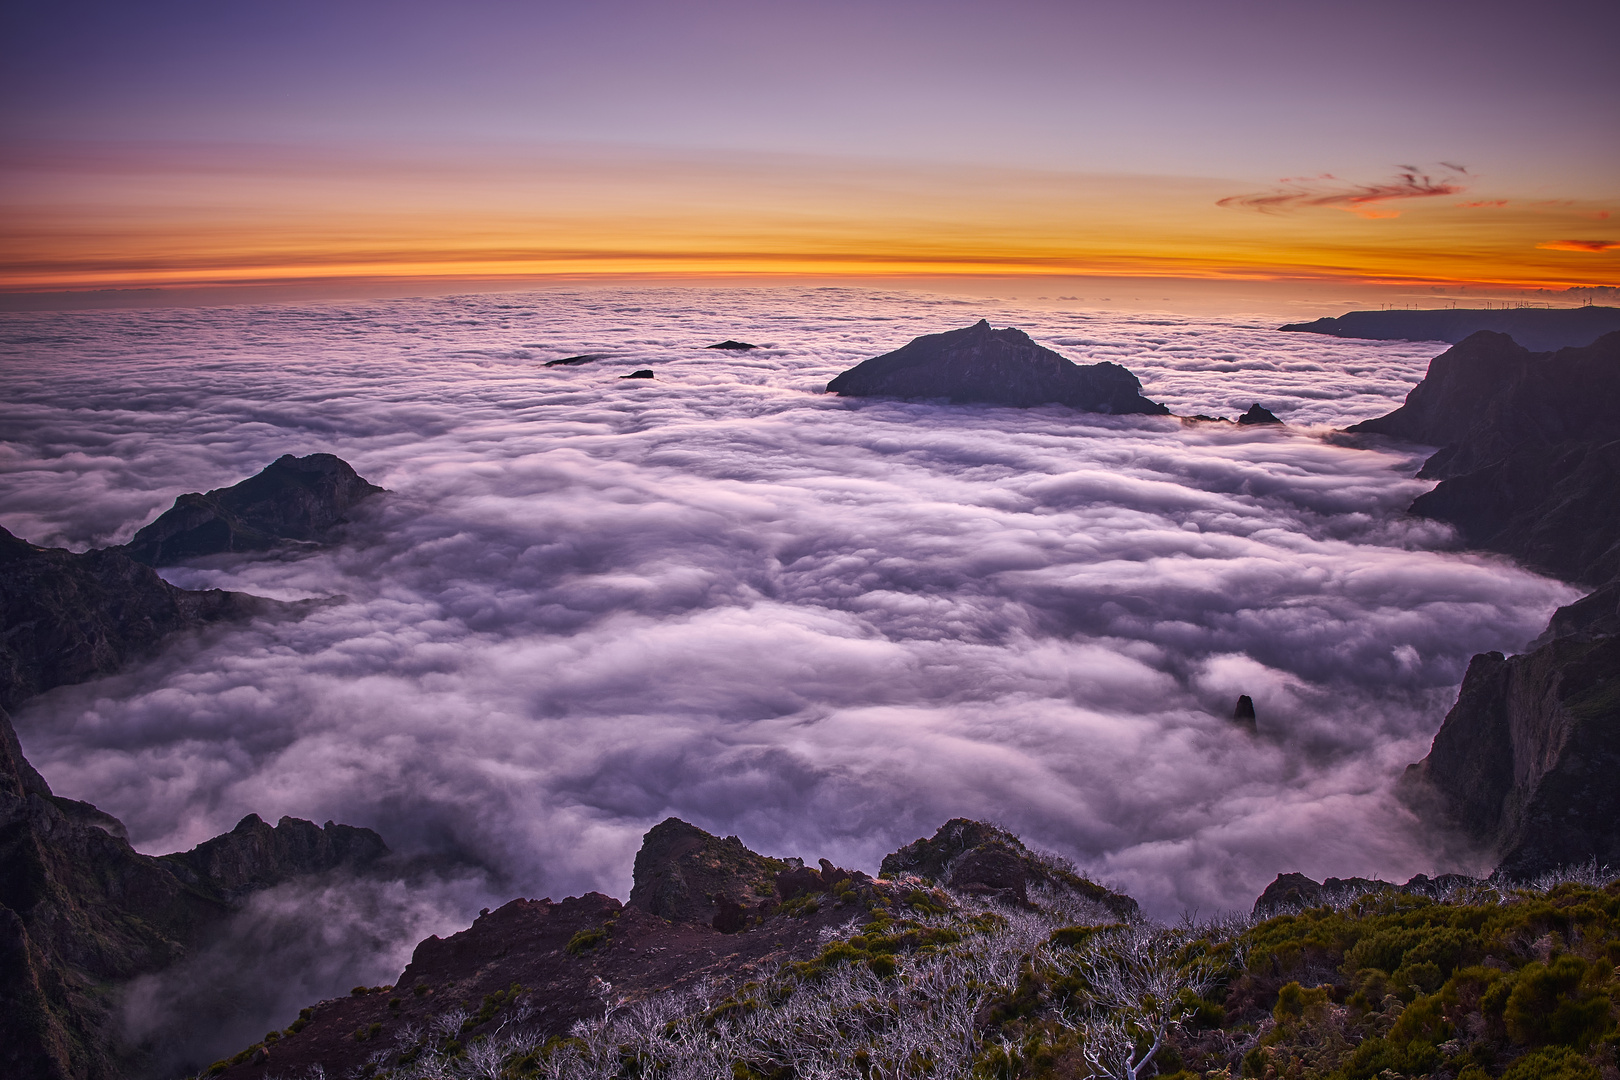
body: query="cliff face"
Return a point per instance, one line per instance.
(1526, 760)
(81, 911)
(1530, 461)
(66, 617)
(292, 500)
(998, 367)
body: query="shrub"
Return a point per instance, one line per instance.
(1552, 1064)
(1557, 1002)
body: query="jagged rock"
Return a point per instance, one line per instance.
(730, 344)
(1258, 415)
(644, 373)
(571, 361)
(81, 911)
(1525, 762)
(67, 617)
(254, 856)
(1296, 891)
(684, 874)
(1000, 367)
(972, 856)
(1537, 328)
(292, 500)
(1244, 712)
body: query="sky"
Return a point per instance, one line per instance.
(1448, 148)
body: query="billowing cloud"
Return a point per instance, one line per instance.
(823, 625)
(1367, 200)
(1581, 245)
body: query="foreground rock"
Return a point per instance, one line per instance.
(1529, 463)
(704, 910)
(67, 617)
(292, 500)
(81, 912)
(1536, 328)
(998, 367)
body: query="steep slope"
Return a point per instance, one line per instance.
(999, 367)
(67, 617)
(81, 911)
(1530, 460)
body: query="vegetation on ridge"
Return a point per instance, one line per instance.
(1476, 982)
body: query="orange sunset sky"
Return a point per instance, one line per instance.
(1453, 151)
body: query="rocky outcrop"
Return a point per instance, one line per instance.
(998, 367)
(686, 875)
(67, 617)
(1258, 414)
(734, 346)
(973, 857)
(293, 500)
(81, 911)
(1537, 328)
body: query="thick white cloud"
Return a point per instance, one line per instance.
(824, 625)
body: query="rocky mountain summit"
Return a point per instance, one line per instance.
(292, 500)
(999, 367)
(1529, 463)
(1536, 328)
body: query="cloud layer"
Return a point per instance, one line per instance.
(1365, 199)
(823, 625)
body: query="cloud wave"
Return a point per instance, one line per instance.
(823, 625)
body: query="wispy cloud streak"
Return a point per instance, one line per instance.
(1366, 200)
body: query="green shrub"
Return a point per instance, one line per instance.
(1552, 1064)
(1558, 1002)
(587, 939)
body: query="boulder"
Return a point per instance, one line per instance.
(292, 500)
(999, 367)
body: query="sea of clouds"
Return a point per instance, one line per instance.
(823, 625)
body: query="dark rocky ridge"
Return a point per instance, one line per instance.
(1529, 463)
(1537, 328)
(997, 367)
(292, 500)
(81, 912)
(66, 617)
(702, 908)
(1298, 891)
